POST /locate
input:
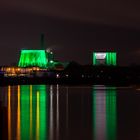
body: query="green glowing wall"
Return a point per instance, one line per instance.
(110, 59)
(33, 58)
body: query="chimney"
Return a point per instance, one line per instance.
(42, 41)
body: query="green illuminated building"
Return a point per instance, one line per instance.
(33, 58)
(105, 58)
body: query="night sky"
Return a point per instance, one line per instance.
(72, 28)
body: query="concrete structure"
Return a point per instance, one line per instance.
(104, 58)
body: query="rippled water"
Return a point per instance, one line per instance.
(42, 112)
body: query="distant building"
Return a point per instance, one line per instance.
(33, 58)
(104, 58)
(50, 58)
(13, 71)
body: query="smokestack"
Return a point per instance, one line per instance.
(42, 41)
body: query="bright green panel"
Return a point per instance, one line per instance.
(111, 58)
(107, 59)
(30, 58)
(94, 59)
(114, 59)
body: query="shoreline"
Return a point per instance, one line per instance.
(64, 81)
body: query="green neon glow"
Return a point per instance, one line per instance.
(109, 116)
(43, 110)
(34, 112)
(25, 112)
(33, 58)
(111, 113)
(110, 59)
(94, 59)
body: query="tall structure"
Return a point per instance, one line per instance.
(42, 41)
(33, 58)
(42, 58)
(49, 53)
(105, 58)
(50, 56)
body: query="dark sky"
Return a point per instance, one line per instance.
(72, 28)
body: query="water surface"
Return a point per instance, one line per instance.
(54, 112)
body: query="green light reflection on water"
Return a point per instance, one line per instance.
(104, 113)
(33, 112)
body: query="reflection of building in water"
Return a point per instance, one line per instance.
(58, 113)
(104, 113)
(9, 113)
(32, 109)
(51, 125)
(54, 113)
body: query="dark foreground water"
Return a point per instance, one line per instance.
(41, 112)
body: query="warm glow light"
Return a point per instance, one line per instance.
(18, 114)
(9, 112)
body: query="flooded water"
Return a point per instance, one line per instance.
(42, 112)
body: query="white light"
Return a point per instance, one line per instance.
(57, 76)
(100, 55)
(51, 61)
(67, 75)
(48, 50)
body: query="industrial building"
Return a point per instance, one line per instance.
(104, 58)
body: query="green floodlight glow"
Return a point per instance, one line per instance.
(33, 112)
(106, 58)
(104, 113)
(33, 58)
